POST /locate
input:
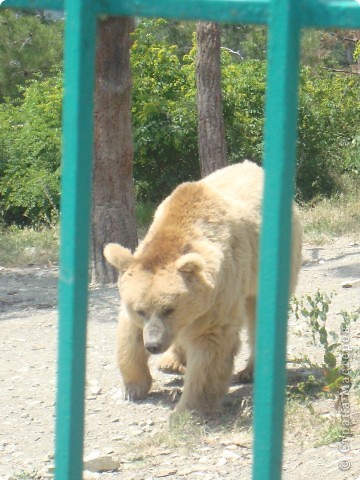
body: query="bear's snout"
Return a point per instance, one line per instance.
(153, 348)
(155, 335)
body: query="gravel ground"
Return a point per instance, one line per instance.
(137, 436)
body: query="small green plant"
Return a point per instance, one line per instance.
(315, 311)
(24, 476)
(333, 432)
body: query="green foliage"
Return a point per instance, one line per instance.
(30, 140)
(164, 115)
(329, 105)
(315, 309)
(357, 51)
(249, 41)
(165, 118)
(333, 433)
(351, 161)
(29, 46)
(243, 105)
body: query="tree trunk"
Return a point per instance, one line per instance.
(211, 131)
(113, 192)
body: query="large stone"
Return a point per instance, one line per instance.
(98, 462)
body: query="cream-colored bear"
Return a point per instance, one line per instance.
(190, 286)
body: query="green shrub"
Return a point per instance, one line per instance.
(29, 46)
(314, 310)
(30, 140)
(165, 127)
(329, 105)
(164, 115)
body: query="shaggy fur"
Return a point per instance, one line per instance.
(190, 287)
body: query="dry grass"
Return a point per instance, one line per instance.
(21, 247)
(308, 424)
(324, 220)
(336, 216)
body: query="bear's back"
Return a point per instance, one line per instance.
(241, 182)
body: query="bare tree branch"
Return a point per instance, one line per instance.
(233, 52)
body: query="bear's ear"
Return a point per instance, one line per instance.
(190, 263)
(118, 256)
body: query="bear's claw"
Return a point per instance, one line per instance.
(136, 392)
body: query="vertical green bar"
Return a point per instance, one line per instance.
(280, 161)
(80, 32)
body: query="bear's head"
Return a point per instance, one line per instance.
(164, 298)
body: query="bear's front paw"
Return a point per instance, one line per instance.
(136, 391)
(169, 363)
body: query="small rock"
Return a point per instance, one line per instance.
(108, 450)
(46, 472)
(205, 460)
(222, 462)
(229, 454)
(97, 462)
(90, 475)
(351, 284)
(165, 472)
(95, 390)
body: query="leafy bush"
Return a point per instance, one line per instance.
(164, 116)
(327, 129)
(29, 46)
(165, 127)
(243, 103)
(30, 140)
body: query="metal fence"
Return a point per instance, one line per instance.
(285, 19)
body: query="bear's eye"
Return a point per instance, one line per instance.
(167, 311)
(141, 313)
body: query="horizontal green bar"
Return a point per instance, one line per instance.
(312, 13)
(330, 13)
(231, 11)
(34, 4)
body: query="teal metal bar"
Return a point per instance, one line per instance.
(285, 18)
(312, 13)
(324, 13)
(80, 34)
(34, 4)
(233, 11)
(329, 13)
(279, 161)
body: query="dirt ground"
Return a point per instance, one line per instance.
(137, 435)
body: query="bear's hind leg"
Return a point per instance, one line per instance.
(247, 375)
(132, 360)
